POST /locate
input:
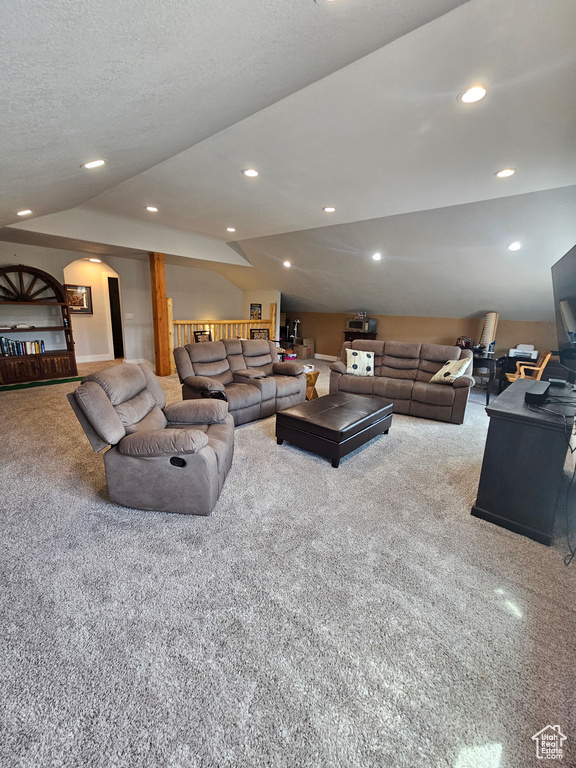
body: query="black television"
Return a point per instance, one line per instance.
(564, 286)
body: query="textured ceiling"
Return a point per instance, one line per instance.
(351, 103)
(137, 81)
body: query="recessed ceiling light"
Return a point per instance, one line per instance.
(152, 208)
(329, 209)
(230, 229)
(473, 94)
(376, 256)
(505, 172)
(250, 172)
(287, 264)
(515, 246)
(27, 212)
(96, 261)
(94, 164)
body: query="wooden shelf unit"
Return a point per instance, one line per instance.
(28, 286)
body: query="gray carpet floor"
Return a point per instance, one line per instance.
(357, 616)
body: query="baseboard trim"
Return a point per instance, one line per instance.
(94, 358)
(139, 360)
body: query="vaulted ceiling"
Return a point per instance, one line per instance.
(344, 103)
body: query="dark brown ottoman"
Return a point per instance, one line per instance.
(334, 425)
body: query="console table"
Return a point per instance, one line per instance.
(524, 460)
(486, 363)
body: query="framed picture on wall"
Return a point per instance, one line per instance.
(260, 333)
(79, 298)
(255, 311)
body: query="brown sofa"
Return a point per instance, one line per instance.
(245, 372)
(402, 373)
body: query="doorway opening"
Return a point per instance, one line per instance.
(116, 317)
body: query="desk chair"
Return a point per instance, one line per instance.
(536, 369)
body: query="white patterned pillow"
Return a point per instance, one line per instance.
(450, 371)
(359, 363)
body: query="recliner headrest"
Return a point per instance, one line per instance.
(120, 382)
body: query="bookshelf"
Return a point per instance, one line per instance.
(35, 301)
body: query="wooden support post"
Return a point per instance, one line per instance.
(272, 321)
(171, 335)
(160, 314)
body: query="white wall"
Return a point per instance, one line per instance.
(134, 284)
(200, 294)
(265, 298)
(197, 294)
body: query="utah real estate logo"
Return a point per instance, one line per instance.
(549, 743)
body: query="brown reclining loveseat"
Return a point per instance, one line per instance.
(401, 375)
(245, 372)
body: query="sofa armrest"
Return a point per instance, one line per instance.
(288, 369)
(159, 442)
(203, 411)
(338, 367)
(204, 384)
(463, 381)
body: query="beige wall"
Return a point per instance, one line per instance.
(92, 333)
(328, 330)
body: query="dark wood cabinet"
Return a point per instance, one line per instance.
(353, 335)
(523, 460)
(22, 286)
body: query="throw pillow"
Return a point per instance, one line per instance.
(359, 363)
(450, 371)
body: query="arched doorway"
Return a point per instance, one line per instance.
(98, 336)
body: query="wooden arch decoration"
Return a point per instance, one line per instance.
(28, 284)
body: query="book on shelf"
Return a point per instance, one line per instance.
(14, 347)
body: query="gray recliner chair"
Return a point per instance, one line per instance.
(171, 458)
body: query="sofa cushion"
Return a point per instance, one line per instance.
(400, 360)
(257, 354)
(288, 385)
(393, 389)
(155, 419)
(136, 408)
(433, 357)
(359, 362)
(357, 385)
(450, 371)
(242, 395)
(208, 359)
(432, 394)
(234, 354)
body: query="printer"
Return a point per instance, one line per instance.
(524, 350)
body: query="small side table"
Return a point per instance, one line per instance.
(489, 363)
(311, 379)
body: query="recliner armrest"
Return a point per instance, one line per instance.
(160, 442)
(338, 366)
(288, 369)
(204, 384)
(204, 411)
